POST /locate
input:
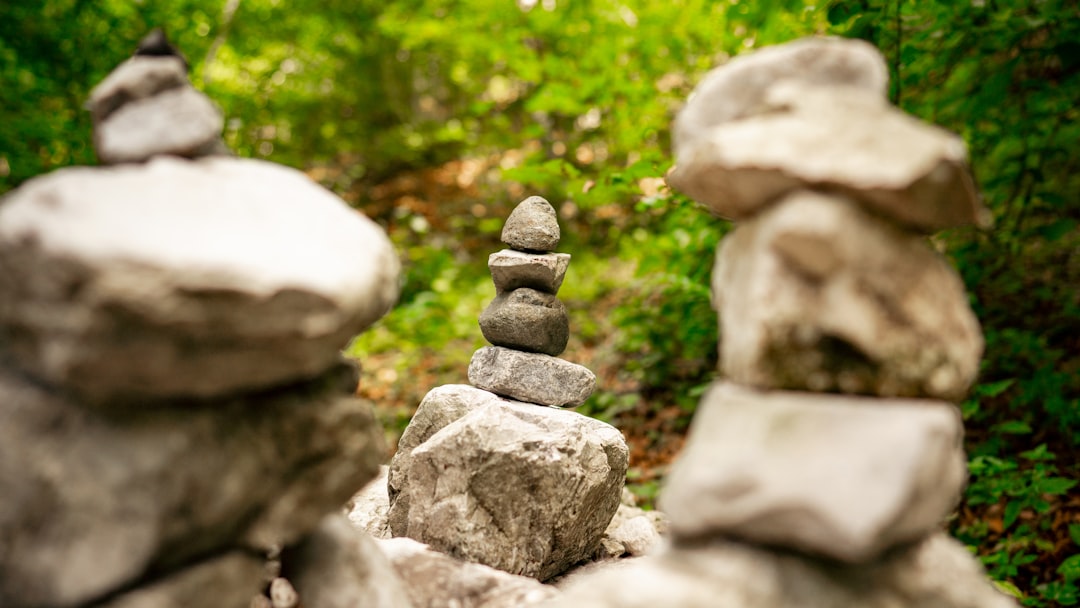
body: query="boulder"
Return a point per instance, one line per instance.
(816, 294)
(137, 78)
(527, 319)
(842, 477)
(181, 278)
(228, 581)
(179, 121)
(525, 489)
(937, 572)
(532, 226)
(369, 509)
(95, 499)
(541, 271)
(531, 377)
(841, 139)
(436, 580)
(337, 566)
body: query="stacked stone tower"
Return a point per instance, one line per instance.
(819, 471)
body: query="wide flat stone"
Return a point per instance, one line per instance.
(532, 226)
(179, 121)
(843, 477)
(513, 269)
(816, 294)
(94, 500)
(531, 377)
(181, 278)
(527, 319)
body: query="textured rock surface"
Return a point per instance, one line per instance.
(525, 489)
(513, 269)
(531, 377)
(816, 294)
(527, 319)
(369, 509)
(436, 580)
(532, 226)
(633, 532)
(843, 477)
(227, 581)
(337, 566)
(180, 122)
(850, 141)
(94, 499)
(135, 79)
(185, 278)
(935, 573)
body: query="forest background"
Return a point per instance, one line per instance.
(435, 117)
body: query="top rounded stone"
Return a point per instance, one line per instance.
(532, 226)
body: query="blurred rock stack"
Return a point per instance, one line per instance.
(490, 473)
(819, 471)
(173, 404)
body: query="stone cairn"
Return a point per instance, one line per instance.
(818, 472)
(173, 403)
(494, 473)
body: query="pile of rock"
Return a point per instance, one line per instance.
(172, 396)
(787, 498)
(511, 482)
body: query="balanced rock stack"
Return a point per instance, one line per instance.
(491, 473)
(789, 493)
(172, 395)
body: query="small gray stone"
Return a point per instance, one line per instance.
(137, 78)
(527, 319)
(180, 121)
(843, 477)
(513, 269)
(368, 509)
(531, 377)
(227, 580)
(282, 594)
(532, 226)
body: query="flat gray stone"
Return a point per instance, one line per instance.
(96, 499)
(229, 580)
(843, 477)
(531, 377)
(532, 226)
(513, 269)
(180, 121)
(527, 319)
(181, 278)
(816, 294)
(140, 77)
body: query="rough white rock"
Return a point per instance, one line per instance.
(283, 594)
(632, 532)
(526, 319)
(843, 477)
(935, 573)
(227, 580)
(137, 78)
(817, 294)
(179, 121)
(531, 377)
(95, 499)
(525, 489)
(532, 226)
(513, 269)
(185, 278)
(369, 509)
(832, 138)
(436, 580)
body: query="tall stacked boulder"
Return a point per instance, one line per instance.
(172, 395)
(818, 472)
(494, 473)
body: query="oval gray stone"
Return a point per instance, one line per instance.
(527, 319)
(532, 226)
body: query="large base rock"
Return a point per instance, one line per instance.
(184, 278)
(935, 573)
(525, 489)
(531, 377)
(843, 477)
(816, 294)
(92, 500)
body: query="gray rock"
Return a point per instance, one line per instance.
(532, 226)
(816, 294)
(137, 78)
(228, 581)
(527, 319)
(436, 580)
(95, 499)
(513, 269)
(832, 138)
(935, 573)
(369, 509)
(525, 489)
(180, 121)
(531, 377)
(283, 594)
(184, 278)
(337, 566)
(842, 477)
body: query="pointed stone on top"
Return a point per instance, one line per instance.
(532, 226)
